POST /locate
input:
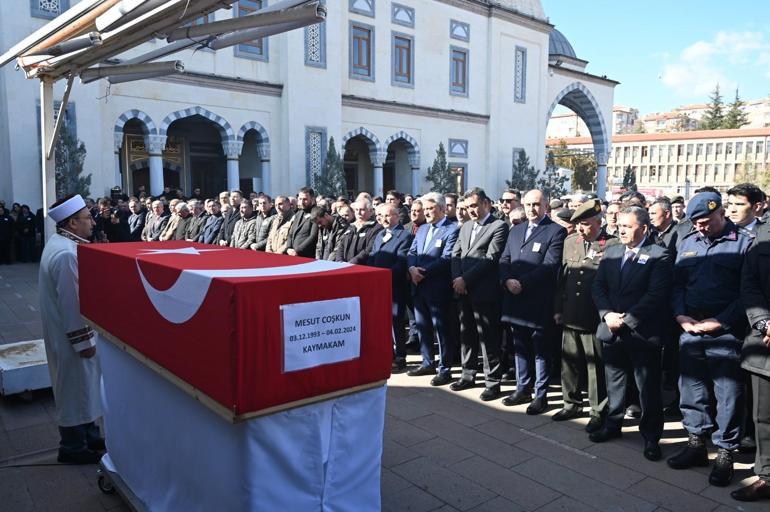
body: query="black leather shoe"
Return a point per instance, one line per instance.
(603, 435)
(441, 379)
(567, 414)
(694, 454)
(421, 371)
(538, 406)
(517, 398)
(509, 376)
(81, 457)
(97, 445)
(594, 424)
(634, 411)
(652, 451)
(461, 384)
(722, 472)
(748, 445)
(398, 365)
(759, 490)
(490, 394)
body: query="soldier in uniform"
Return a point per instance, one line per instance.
(575, 311)
(706, 304)
(755, 296)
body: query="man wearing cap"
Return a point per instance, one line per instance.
(70, 344)
(575, 310)
(677, 208)
(706, 303)
(755, 296)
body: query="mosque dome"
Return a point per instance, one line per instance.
(558, 45)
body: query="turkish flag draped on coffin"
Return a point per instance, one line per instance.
(214, 318)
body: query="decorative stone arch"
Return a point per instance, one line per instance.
(413, 147)
(578, 98)
(144, 163)
(148, 125)
(263, 151)
(253, 125)
(375, 152)
(224, 128)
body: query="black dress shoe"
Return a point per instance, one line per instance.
(567, 414)
(490, 394)
(461, 384)
(694, 454)
(81, 457)
(421, 371)
(672, 412)
(538, 406)
(604, 434)
(759, 490)
(748, 445)
(398, 365)
(722, 472)
(441, 379)
(594, 424)
(652, 451)
(509, 376)
(517, 398)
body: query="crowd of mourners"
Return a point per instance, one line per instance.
(653, 308)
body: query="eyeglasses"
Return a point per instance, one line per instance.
(504, 200)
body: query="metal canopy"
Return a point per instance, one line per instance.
(94, 31)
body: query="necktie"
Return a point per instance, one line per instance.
(474, 232)
(628, 259)
(530, 229)
(428, 238)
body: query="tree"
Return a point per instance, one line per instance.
(639, 128)
(583, 166)
(683, 123)
(629, 179)
(70, 155)
(735, 117)
(440, 175)
(552, 182)
(714, 117)
(524, 175)
(752, 172)
(331, 182)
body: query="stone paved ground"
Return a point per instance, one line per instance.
(443, 451)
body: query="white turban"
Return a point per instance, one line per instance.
(67, 209)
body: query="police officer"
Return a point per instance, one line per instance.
(575, 310)
(706, 304)
(755, 295)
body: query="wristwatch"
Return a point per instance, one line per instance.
(762, 326)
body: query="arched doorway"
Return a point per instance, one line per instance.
(362, 162)
(132, 131)
(254, 159)
(402, 163)
(194, 145)
(577, 98)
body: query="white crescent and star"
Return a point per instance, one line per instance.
(183, 299)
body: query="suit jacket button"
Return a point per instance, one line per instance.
(578, 283)
(577, 294)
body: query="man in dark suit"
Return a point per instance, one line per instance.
(391, 245)
(355, 243)
(429, 263)
(755, 358)
(230, 216)
(474, 278)
(213, 223)
(528, 268)
(303, 234)
(136, 221)
(631, 292)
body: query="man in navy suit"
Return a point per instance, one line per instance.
(391, 245)
(631, 291)
(528, 268)
(429, 261)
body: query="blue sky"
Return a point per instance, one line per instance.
(673, 52)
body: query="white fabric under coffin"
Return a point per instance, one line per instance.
(177, 455)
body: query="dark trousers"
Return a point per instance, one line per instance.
(433, 322)
(413, 334)
(704, 361)
(480, 329)
(622, 359)
(5, 251)
(761, 413)
(76, 439)
(399, 332)
(532, 356)
(581, 360)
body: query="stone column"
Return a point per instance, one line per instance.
(118, 174)
(601, 175)
(264, 155)
(256, 185)
(377, 158)
(414, 164)
(155, 145)
(232, 149)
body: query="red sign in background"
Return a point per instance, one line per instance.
(231, 347)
